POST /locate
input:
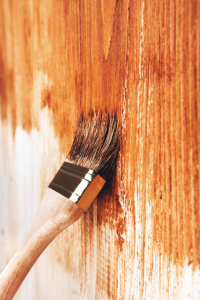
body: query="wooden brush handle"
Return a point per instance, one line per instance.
(55, 214)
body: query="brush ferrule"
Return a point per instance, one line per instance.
(80, 185)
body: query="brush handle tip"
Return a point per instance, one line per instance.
(55, 214)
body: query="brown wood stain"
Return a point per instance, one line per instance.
(141, 60)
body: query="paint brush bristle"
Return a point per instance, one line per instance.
(96, 143)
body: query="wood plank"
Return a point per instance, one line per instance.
(58, 59)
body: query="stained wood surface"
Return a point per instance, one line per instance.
(141, 238)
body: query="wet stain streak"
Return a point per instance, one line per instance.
(142, 60)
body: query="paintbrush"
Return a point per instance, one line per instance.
(89, 165)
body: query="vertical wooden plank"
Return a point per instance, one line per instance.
(140, 59)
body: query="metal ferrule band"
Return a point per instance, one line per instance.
(80, 185)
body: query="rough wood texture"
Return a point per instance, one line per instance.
(141, 238)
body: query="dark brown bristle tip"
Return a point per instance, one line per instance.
(96, 143)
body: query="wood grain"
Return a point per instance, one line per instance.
(140, 239)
